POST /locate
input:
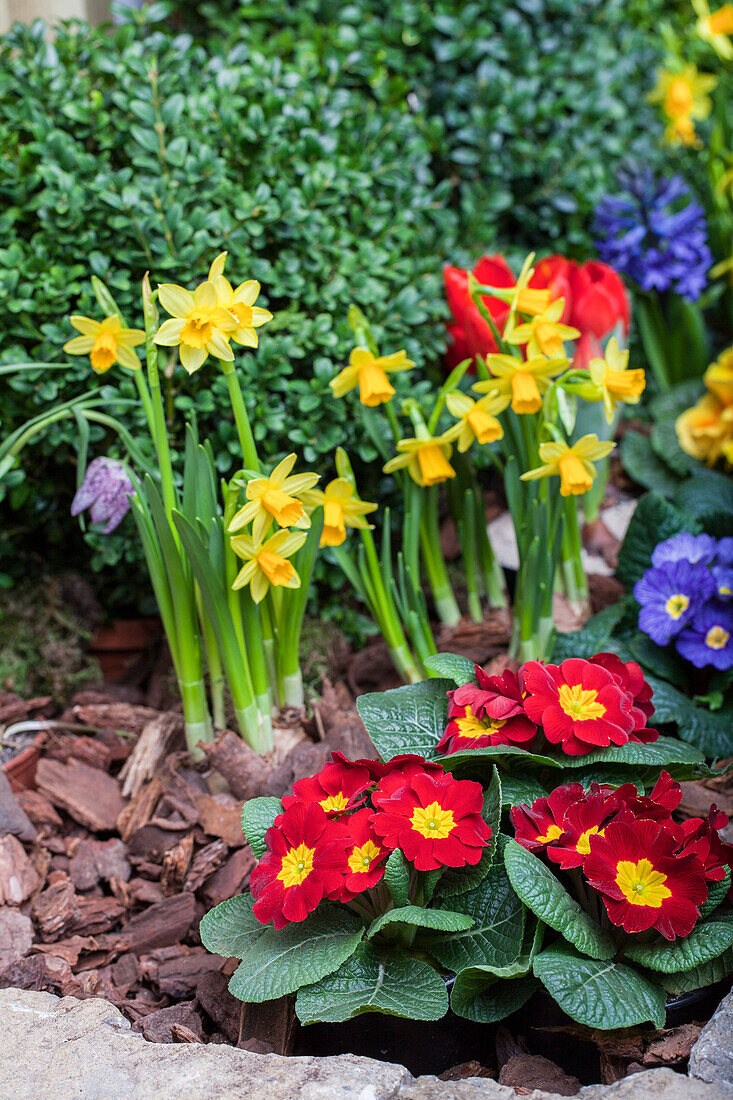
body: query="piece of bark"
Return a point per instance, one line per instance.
(38, 808)
(179, 977)
(340, 724)
(18, 876)
(182, 1034)
(176, 862)
(139, 891)
(97, 915)
(220, 815)
(16, 936)
(139, 809)
(245, 771)
(219, 1004)
(56, 908)
(507, 1046)
(39, 972)
(306, 759)
(603, 591)
(533, 1071)
(87, 794)
(272, 1022)
(160, 925)
(114, 716)
(672, 1047)
(697, 799)
(13, 708)
(156, 739)
(464, 1070)
(205, 862)
(157, 1027)
(152, 842)
(125, 971)
(70, 949)
(85, 750)
(231, 878)
(93, 861)
(478, 641)
(13, 818)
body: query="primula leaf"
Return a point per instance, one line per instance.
(470, 760)
(654, 520)
(258, 815)
(645, 466)
(458, 880)
(442, 920)
(516, 789)
(495, 937)
(706, 941)
(231, 928)
(452, 667)
(708, 496)
(548, 899)
(659, 753)
(717, 892)
(477, 996)
(711, 731)
(299, 954)
(593, 638)
(375, 980)
(605, 995)
(700, 976)
(397, 877)
(410, 719)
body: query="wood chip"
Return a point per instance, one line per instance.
(179, 977)
(221, 816)
(87, 794)
(157, 737)
(245, 771)
(176, 862)
(231, 878)
(114, 716)
(160, 925)
(97, 915)
(56, 909)
(16, 936)
(38, 809)
(157, 1027)
(85, 750)
(93, 861)
(18, 876)
(205, 862)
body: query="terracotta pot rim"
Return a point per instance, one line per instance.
(126, 634)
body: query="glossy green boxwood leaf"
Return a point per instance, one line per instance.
(397, 877)
(485, 1000)
(605, 995)
(375, 980)
(410, 719)
(299, 954)
(231, 928)
(442, 920)
(495, 936)
(699, 977)
(451, 666)
(707, 941)
(258, 814)
(548, 899)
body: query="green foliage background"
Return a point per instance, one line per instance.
(339, 152)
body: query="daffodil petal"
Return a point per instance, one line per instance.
(85, 325)
(127, 358)
(175, 299)
(169, 333)
(79, 345)
(192, 358)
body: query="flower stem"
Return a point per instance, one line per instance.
(241, 419)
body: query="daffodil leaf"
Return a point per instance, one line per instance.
(258, 814)
(706, 941)
(410, 719)
(231, 928)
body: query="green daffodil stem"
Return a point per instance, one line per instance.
(241, 419)
(145, 400)
(158, 428)
(214, 666)
(443, 597)
(572, 571)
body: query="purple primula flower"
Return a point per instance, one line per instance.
(708, 639)
(653, 232)
(723, 576)
(105, 489)
(697, 549)
(669, 597)
(724, 552)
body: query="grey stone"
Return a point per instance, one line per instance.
(85, 1050)
(16, 936)
(712, 1055)
(13, 818)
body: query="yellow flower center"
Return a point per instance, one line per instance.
(624, 383)
(580, 703)
(486, 428)
(721, 21)
(286, 509)
(433, 822)
(104, 352)
(296, 865)
(526, 397)
(472, 727)
(676, 604)
(574, 478)
(198, 329)
(335, 803)
(533, 301)
(374, 386)
(583, 843)
(641, 884)
(361, 859)
(553, 833)
(277, 570)
(334, 529)
(434, 466)
(717, 637)
(678, 100)
(548, 338)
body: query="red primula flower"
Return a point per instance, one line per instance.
(495, 696)
(578, 705)
(365, 856)
(665, 796)
(631, 679)
(583, 819)
(643, 880)
(435, 820)
(471, 334)
(543, 822)
(304, 862)
(466, 730)
(396, 774)
(700, 835)
(339, 787)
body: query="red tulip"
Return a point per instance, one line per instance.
(599, 299)
(471, 335)
(555, 272)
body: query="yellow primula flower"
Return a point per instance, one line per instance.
(573, 465)
(683, 96)
(617, 384)
(719, 377)
(275, 498)
(544, 335)
(266, 563)
(105, 342)
(426, 459)
(370, 374)
(520, 297)
(341, 509)
(715, 27)
(240, 302)
(706, 430)
(477, 418)
(525, 380)
(199, 326)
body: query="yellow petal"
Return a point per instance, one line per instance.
(80, 345)
(259, 586)
(175, 300)
(217, 267)
(247, 337)
(192, 358)
(169, 333)
(131, 337)
(85, 325)
(204, 296)
(127, 357)
(247, 293)
(245, 575)
(218, 345)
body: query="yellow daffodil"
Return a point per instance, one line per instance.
(477, 418)
(426, 458)
(719, 377)
(240, 302)
(715, 27)
(199, 325)
(105, 342)
(275, 498)
(573, 465)
(544, 335)
(683, 96)
(617, 384)
(522, 298)
(341, 509)
(525, 380)
(706, 430)
(266, 563)
(370, 374)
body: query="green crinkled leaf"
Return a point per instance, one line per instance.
(397, 877)
(548, 899)
(654, 520)
(299, 954)
(662, 661)
(668, 406)
(717, 892)
(375, 980)
(442, 920)
(606, 995)
(711, 731)
(485, 1000)
(258, 815)
(594, 636)
(469, 759)
(700, 977)
(705, 942)
(458, 880)
(410, 719)
(659, 753)
(451, 666)
(642, 463)
(516, 789)
(231, 928)
(667, 446)
(708, 496)
(495, 938)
